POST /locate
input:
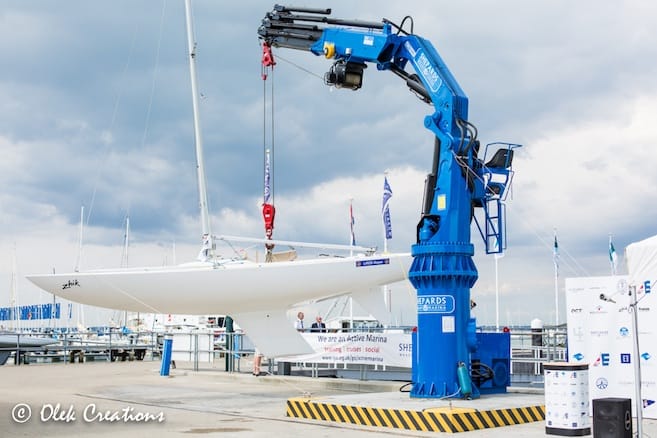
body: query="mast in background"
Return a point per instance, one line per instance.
(78, 262)
(15, 308)
(126, 244)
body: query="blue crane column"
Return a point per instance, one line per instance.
(443, 273)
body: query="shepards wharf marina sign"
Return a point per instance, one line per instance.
(389, 349)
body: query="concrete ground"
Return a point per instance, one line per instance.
(131, 399)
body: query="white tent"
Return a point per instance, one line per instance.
(641, 259)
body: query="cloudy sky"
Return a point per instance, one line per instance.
(95, 111)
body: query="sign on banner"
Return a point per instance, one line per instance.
(389, 349)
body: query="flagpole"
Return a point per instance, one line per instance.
(497, 257)
(352, 235)
(497, 296)
(556, 279)
(387, 234)
(556, 295)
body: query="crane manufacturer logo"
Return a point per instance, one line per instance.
(435, 304)
(428, 72)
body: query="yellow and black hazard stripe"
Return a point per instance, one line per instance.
(429, 420)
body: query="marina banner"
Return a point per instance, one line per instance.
(600, 334)
(386, 349)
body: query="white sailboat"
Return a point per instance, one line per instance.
(13, 339)
(256, 295)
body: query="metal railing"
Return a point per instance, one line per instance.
(68, 347)
(530, 350)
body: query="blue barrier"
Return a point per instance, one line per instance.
(166, 355)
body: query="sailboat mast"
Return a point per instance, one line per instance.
(202, 189)
(15, 308)
(126, 243)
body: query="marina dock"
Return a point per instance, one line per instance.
(133, 399)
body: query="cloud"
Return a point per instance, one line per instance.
(95, 110)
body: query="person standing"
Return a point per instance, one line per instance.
(299, 323)
(257, 361)
(318, 325)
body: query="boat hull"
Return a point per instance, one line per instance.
(225, 288)
(9, 340)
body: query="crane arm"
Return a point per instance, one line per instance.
(352, 44)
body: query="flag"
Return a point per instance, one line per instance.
(267, 178)
(497, 250)
(387, 194)
(352, 222)
(613, 257)
(556, 252)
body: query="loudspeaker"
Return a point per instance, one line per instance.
(612, 418)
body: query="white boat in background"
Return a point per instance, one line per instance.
(14, 342)
(256, 295)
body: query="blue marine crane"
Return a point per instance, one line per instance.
(442, 271)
